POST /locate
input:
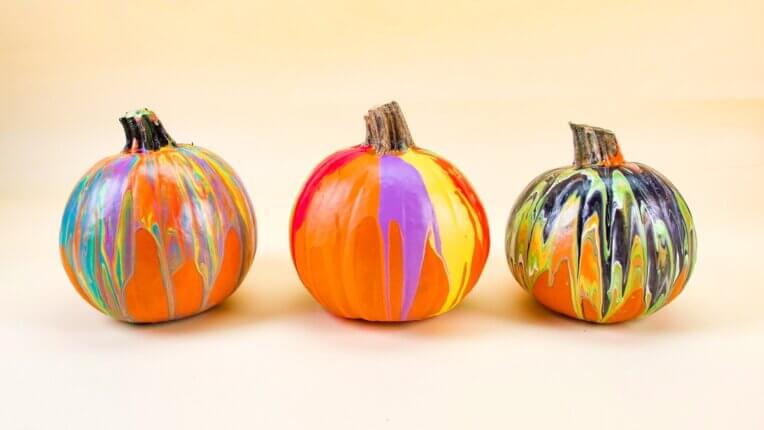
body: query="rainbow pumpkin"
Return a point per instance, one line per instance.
(604, 240)
(387, 231)
(158, 232)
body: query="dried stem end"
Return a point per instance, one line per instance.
(144, 132)
(595, 146)
(386, 129)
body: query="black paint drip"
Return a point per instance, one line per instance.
(144, 132)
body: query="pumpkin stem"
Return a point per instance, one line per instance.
(386, 129)
(144, 131)
(595, 146)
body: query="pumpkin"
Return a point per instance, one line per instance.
(388, 231)
(604, 240)
(158, 232)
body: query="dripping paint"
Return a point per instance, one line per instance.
(393, 237)
(603, 244)
(158, 235)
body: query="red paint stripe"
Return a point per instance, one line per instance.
(329, 165)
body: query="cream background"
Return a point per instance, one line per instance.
(273, 87)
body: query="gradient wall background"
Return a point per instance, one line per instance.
(273, 87)
(489, 85)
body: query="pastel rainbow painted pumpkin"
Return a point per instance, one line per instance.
(158, 232)
(387, 231)
(604, 240)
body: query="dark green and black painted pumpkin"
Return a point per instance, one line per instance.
(604, 240)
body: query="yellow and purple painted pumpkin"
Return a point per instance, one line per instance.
(158, 232)
(387, 231)
(604, 240)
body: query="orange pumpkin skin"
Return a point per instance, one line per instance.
(152, 235)
(397, 236)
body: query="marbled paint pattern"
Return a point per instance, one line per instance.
(151, 236)
(603, 244)
(388, 237)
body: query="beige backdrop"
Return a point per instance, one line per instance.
(273, 87)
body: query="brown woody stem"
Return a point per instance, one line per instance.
(595, 146)
(386, 129)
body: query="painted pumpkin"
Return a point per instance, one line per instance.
(387, 231)
(158, 232)
(604, 240)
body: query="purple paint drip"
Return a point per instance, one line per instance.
(112, 181)
(403, 198)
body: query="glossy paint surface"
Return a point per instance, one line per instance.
(152, 236)
(393, 237)
(602, 244)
